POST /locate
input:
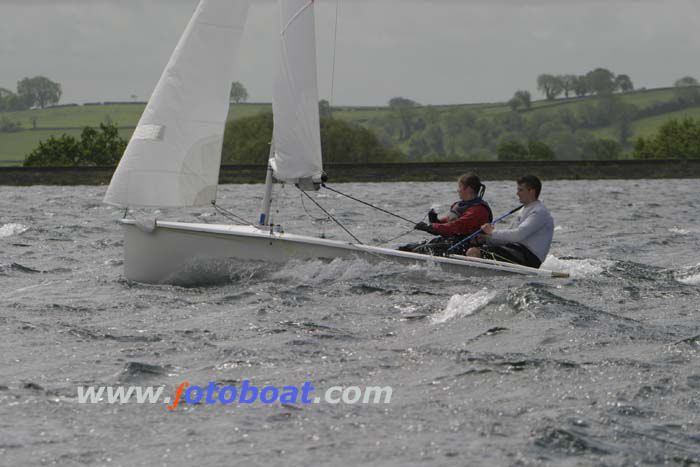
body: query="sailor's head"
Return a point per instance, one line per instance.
(529, 188)
(469, 186)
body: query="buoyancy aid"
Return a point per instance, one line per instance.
(459, 208)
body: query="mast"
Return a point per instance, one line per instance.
(267, 198)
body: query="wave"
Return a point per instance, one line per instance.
(683, 231)
(134, 372)
(204, 273)
(690, 280)
(464, 305)
(317, 272)
(8, 230)
(577, 268)
(689, 276)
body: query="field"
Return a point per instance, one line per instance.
(39, 125)
(649, 126)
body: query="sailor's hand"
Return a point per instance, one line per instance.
(432, 216)
(422, 226)
(487, 229)
(425, 228)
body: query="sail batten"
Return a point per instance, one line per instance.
(296, 133)
(174, 155)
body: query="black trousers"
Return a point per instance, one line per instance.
(512, 253)
(438, 246)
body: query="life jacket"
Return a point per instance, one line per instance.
(459, 208)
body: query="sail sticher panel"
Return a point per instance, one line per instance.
(173, 157)
(296, 136)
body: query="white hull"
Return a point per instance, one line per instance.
(156, 254)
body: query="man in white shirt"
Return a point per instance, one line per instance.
(529, 237)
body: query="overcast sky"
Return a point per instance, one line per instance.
(432, 51)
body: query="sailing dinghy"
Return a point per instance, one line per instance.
(174, 155)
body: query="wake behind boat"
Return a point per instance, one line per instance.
(174, 155)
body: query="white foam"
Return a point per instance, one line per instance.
(317, 272)
(690, 280)
(689, 276)
(464, 305)
(577, 268)
(679, 231)
(8, 230)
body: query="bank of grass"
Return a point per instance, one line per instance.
(78, 117)
(71, 120)
(647, 127)
(15, 146)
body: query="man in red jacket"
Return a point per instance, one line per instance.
(465, 217)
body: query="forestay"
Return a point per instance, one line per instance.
(174, 155)
(297, 139)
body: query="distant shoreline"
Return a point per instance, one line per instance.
(392, 172)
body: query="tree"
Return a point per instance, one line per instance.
(103, 147)
(550, 86)
(435, 139)
(512, 151)
(468, 141)
(247, 141)
(324, 109)
(686, 81)
(520, 98)
(568, 83)
(514, 103)
(39, 91)
(524, 97)
(5, 95)
(238, 92)
(623, 83)
(418, 147)
(568, 145)
(601, 81)
(398, 102)
(688, 89)
(456, 123)
(675, 140)
(602, 149)
(404, 109)
(9, 126)
(580, 86)
(538, 151)
(347, 143)
(510, 121)
(10, 101)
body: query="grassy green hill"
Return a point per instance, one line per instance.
(38, 125)
(649, 126)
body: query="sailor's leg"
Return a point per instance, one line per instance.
(511, 253)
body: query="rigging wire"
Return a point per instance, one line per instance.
(401, 235)
(229, 215)
(331, 217)
(311, 216)
(368, 204)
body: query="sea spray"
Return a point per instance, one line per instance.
(464, 305)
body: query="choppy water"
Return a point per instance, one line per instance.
(598, 369)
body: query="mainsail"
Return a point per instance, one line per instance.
(297, 139)
(174, 155)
